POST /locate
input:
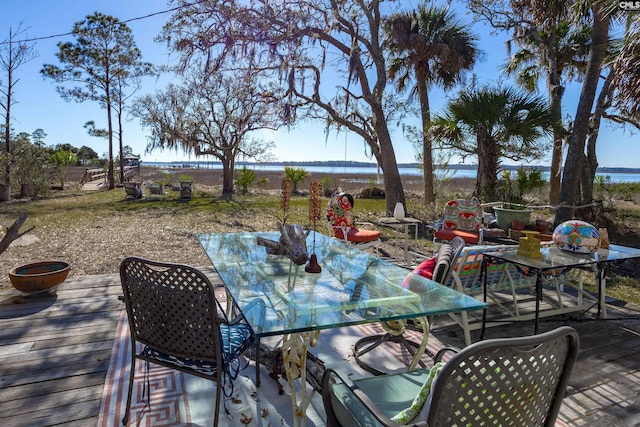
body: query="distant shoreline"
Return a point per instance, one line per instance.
(348, 164)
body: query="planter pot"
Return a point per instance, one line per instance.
(155, 189)
(505, 216)
(39, 277)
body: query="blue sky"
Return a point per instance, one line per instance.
(40, 106)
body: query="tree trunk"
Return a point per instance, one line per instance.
(5, 192)
(121, 145)
(586, 188)
(6, 195)
(555, 174)
(575, 154)
(427, 151)
(487, 179)
(591, 158)
(393, 189)
(227, 178)
(111, 172)
(556, 92)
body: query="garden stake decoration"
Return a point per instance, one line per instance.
(284, 200)
(315, 192)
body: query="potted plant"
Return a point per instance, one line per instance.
(156, 187)
(514, 207)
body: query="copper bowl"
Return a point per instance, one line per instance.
(39, 277)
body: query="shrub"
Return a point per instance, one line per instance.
(296, 176)
(245, 179)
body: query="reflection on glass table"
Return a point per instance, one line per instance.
(353, 287)
(403, 223)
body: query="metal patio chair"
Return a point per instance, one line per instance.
(508, 381)
(343, 226)
(440, 271)
(174, 315)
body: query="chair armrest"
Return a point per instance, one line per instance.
(444, 350)
(328, 380)
(365, 225)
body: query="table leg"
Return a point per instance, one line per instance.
(294, 354)
(602, 290)
(538, 299)
(406, 245)
(484, 274)
(423, 323)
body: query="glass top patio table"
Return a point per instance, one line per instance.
(553, 258)
(354, 287)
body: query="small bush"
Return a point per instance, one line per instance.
(245, 179)
(296, 176)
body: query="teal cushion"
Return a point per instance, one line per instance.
(391, 393)
(421, 404)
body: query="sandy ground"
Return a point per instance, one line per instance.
(96, 244)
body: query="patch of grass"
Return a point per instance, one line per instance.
(623, 288)
(74, 212)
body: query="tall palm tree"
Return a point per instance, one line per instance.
(491, 124)
(558, 52)
(627, 96)
(433, 47)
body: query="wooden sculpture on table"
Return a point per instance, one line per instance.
(293, 238)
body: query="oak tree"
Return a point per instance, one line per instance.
(211, 115)
(328, 55)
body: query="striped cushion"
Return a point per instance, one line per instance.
(235, 340)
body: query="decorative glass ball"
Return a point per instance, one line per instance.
(577, 236)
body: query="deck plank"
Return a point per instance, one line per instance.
(54, 354)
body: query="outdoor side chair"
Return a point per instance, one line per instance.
(343, 226)
(174, 315)
(462, 218)
(508, 381)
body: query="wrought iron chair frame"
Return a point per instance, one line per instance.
(174, 315)
(514, 381)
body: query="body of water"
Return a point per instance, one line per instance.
(370, 170)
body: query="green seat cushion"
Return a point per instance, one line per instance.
(391, 393)
(419, 408)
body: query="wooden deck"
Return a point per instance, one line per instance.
(54, 354)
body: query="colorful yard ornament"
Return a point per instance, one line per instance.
(577, 236)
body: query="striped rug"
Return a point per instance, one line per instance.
(178, 399)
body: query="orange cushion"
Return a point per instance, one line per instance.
(448, 235)
(358, 235)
